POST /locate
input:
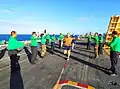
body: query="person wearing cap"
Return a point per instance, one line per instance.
(100, 48)
(114, 52)
(96, 40)
(53, 39)
(89, 37)
(13, 45)
(67, 44)
(61, 37)
(34, 45)
(43, 43)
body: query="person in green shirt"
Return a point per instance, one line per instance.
(100, 48)
(89, 37)
(96, 40)
(13, 45)
(114, 52)
(34, 45)
(61, 37)
(47, 39)
(43, 43)
(2, 42)
(53, 39)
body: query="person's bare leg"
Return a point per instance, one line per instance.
(69, 52)
(65, 51)
(73, 45)
(96, 51)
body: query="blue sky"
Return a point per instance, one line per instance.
(74, 16)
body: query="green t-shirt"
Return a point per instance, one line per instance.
(115, 44)
(34, 41)
(61, 37)
(53, 38)
(1, 42)
(101, 39)
(43, 40)
(96, 39)
(48, 37)
(89, 38)
(13, 44)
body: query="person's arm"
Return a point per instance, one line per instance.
(19, 44)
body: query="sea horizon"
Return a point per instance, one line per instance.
(20, 37)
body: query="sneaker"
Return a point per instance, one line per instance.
(97, 57)
(32, 62)
(68, 59)
(113, 74)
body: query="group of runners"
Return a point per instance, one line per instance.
(66, 42)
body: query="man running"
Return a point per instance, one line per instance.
(53, 39)
(67, 43)
(96, 39)
(13, 45)
(89, 41)
(100, 48)
(114, 52)
(61, 37)
(34, 45)
(43, 43)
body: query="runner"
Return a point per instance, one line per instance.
(61, 37)
(100, 48)
(34, 45)
(43, 43)
(67, 43)
(13, 45)
(96, 39)
(89, 41)
(53, 39)
(114, 52)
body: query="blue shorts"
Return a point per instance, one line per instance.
(67, 48)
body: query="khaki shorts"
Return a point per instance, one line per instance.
(43, 48)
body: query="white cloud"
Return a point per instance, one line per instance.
(8, 26)
(86, 18)
(7, 10)
(83, 19)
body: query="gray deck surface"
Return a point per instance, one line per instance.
(82, 68)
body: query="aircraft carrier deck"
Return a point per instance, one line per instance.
(82, 68)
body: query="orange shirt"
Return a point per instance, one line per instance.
(68, 41)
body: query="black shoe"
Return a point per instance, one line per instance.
(33, 62)
(42, 56)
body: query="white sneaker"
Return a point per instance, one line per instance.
(113, 75)
(68, 59)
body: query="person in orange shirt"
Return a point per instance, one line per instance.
(67, 44)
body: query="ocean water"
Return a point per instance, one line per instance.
(20, 37)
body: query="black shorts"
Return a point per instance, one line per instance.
(67, 48)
